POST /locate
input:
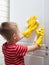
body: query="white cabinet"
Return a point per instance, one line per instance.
(34, 60)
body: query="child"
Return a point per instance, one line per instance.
(14, 53)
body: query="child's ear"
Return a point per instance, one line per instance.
(14, 36)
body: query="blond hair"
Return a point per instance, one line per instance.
(7, 29)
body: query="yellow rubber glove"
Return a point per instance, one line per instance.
(31, 21)
(40, 34)
(32, 25)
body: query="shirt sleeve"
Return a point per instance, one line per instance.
(21, 50)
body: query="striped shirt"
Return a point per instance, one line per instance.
(14, 54)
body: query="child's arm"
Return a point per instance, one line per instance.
(20, 36)
(33, 48)
(38, 42)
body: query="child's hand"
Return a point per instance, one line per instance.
(32, 25)
(40, 35)
(31, 21)
(40, 31)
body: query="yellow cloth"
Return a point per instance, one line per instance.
(40, 34)
(32, 25)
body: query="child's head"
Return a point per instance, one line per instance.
(10, 31)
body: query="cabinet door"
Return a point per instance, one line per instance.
(46, 19)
